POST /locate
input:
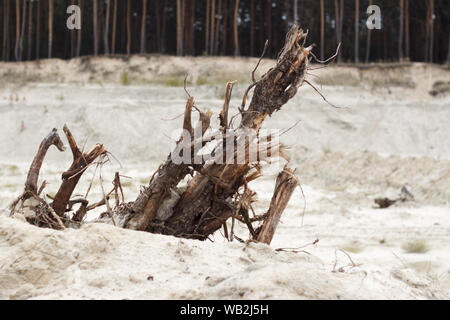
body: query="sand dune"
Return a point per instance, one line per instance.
(390, 133)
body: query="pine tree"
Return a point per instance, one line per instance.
(356, 31)
(235, 28)
(95, 26)
(143, 23)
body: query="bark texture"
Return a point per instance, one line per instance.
(213, 195)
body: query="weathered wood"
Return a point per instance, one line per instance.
(205, 205)
(218, 190)
(165, 178)
(71, 177)
(33, 174)
(284, 187)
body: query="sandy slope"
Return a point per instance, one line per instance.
(391, 134)
(101, 261)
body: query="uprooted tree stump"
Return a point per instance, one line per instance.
(217, 190)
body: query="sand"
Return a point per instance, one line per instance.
(390, 133)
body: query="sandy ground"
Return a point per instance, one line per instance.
(390, 133)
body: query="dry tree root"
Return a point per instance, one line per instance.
(81, 162)
(284, 187)
(405, 195)
(35, 207)
(217, 191)
(33, 174)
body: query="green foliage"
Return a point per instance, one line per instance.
(201, 81)
(415, 246)
(174, 82)
(124, 80)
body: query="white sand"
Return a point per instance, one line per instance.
(387, 138)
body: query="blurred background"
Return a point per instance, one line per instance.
(416, 30)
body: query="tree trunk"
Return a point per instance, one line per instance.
(287, 12)
(106, 27)
(338, 21)
(261, 26)
(95, 26)
(16, 48)
(448, 50)
(252, 28)
(22, 31)
(213, 21)
(192, 29)
(356, 31)
(269, 24)
(6, 7)
(322, 30)
(114, 29)
(341, 19)
(235, 28)
(38, 29)
(185, 18)
(72, 37)
(128, 27)
(158, 25)
(427, 33)
(100, 24)
(407, 48)
(179, 29)
(78, 50)
(225, 26)
(400, 32)
(219, 19)
(369, 39)
(50, 27)
(30, 29)
(208, 13)
(143, 23)
(431, 56)
(163, 27)
(295, 8)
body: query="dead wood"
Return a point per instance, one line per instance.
(33, 174)
(70, 178)
(284, 187)
(384, 203)
(218, 190)
(165, 178)
(205, 205)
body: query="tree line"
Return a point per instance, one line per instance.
(416, 30)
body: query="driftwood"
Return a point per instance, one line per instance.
(217, 190)
(33, 174)
(203, 207)
(71, 177)
(284, 187)
(384, 203)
